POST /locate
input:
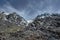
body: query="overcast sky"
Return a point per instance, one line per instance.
(29, 9)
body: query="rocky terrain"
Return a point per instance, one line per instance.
(43, 27)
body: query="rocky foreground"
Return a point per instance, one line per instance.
(43, 27)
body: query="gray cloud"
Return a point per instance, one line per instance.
(29, 9)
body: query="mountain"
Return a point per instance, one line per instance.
(16, 19)
(11, 20)
(43, 27)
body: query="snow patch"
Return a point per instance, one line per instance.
(6, 13)
(30, 21)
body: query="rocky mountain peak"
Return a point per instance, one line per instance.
(48, 26)
(17, 19)
(11, 20)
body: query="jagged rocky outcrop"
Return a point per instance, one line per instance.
(16, 19)
(10, 24)
(11, 20)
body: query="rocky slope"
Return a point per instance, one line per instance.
(46, 27)
(11, 20)
(43, 27)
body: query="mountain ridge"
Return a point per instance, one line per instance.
(43, 27)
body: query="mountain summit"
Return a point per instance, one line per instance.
(11, 20)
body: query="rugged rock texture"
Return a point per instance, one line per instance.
(48, 26)
(11, 20)
(43, 27)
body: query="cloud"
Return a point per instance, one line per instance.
(29, 9)
(8, 8)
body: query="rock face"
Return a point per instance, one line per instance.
(16, 19)
(11, 20)
(48, 27)
(43, 27)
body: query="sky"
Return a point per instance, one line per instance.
(29, 9)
